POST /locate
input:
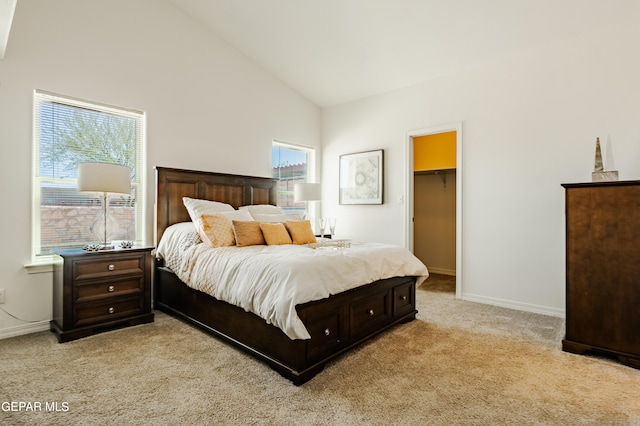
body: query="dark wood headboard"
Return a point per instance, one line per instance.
(237, 190)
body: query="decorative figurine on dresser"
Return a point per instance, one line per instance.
(100, 290)
(603, 269)
(599, 173)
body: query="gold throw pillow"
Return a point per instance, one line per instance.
(248, 233)
(300, 231)
(275, 233)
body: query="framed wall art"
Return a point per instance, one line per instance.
(361, 177)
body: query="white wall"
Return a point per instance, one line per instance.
(208, 108)
(529, 124)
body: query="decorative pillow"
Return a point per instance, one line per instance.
(217, 229)
(269, 217)
(263, 209)
(275, 233)
(300, 231)
(197, 207)
(247, 233)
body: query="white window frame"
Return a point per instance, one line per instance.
(311, 157)
(138, 184)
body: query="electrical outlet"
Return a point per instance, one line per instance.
(1, 295)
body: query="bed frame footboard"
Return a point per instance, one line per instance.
(336, 324)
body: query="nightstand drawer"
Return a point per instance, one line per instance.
(112, 288)
(108, 266)
(107, 311)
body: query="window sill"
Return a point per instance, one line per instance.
(40, 267)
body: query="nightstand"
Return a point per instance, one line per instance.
(101, 290)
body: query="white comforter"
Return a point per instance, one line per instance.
(271, 280)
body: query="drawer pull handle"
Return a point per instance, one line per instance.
(111, 288)
(403, 298)
(371, 312)
(112, 267)
(111, 310)
(327, 332)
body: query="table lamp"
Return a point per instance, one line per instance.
(306, 192)
(104, 178)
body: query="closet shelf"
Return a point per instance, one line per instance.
(435, 172)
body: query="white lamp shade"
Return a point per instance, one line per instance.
(306, 192)
(104, 177)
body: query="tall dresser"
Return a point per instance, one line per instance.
(603, 269)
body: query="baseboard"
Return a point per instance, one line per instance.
(527, 307)
(19, 330)
(441, 271)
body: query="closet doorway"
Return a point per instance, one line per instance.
(434, 199)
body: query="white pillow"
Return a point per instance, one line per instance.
(263, 209)
(237, 215)
(197, 207)
(270, 218)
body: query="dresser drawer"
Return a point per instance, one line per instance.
(112, 288)
(106, 266)
(108, 310)
(369, 312)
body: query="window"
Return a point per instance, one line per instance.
(69, 131)
(291, 164)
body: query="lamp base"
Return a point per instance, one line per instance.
(100, 225)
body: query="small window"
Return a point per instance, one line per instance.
(69, 131)
(291, 164)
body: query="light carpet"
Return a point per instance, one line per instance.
(459, 363)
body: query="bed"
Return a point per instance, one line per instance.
(335, 324)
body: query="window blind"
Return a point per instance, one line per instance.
(68, 131)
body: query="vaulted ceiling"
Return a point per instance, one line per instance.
(7, 8)
(334, 51)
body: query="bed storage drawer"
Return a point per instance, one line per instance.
(369, 313)
(327, 332)
(347, 318)
(403, 299)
